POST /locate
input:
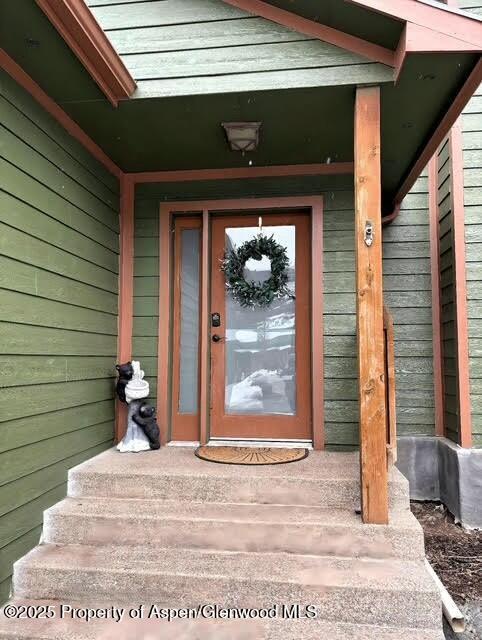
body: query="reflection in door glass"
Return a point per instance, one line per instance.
(189, 348)
(260, 343)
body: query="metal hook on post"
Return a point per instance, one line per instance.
(368, 233)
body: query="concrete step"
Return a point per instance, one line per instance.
(174, 473)
(231, 527)
(389, 592)
(66, 628)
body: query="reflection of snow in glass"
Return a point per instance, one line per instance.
(257, 270)
(250, 395)
(260, 343)
(281, 320)
(243, 335)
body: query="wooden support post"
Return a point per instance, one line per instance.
(371, 361)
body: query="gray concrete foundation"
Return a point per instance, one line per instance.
(438, 469)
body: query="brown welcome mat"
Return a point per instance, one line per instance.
(250, 455)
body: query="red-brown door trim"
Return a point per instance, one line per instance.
(184, 426)
(167, 210)
(317, 350)
(204, 334)
(126, 289)
(461, 311)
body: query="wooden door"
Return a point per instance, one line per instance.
(260, 358)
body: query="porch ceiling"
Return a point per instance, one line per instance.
(300, 126)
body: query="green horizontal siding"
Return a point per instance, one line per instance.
(59, 264)
(341, 404)
(447, 292)
(146, 288)
(407, 281)
(185, 47)
(407, 288)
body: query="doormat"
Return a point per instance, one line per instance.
(250, 455)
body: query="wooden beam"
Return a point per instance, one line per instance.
(126, 290)
(371, 361)
(238, 173)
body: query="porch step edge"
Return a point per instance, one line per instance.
(66, 629)
(234, 527)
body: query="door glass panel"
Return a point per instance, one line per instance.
(189, 347)
(260, 342)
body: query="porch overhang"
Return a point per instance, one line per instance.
(424, 55)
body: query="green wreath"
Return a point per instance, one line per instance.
(253, 294)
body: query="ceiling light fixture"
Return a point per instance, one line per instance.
(242, 136)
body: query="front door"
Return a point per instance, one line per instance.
(260, 357)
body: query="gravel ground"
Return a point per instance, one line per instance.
(456, 556)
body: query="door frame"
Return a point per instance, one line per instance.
(167, 211)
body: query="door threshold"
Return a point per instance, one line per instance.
(183, 443)
(248, 442)
(259, 442)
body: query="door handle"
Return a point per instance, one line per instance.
(216, 338)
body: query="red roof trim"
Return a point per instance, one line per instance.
(81, 31)
(316, 30)
(438, 19)
(417, 39)
(429, 28)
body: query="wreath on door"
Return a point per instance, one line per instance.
(251, 293)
